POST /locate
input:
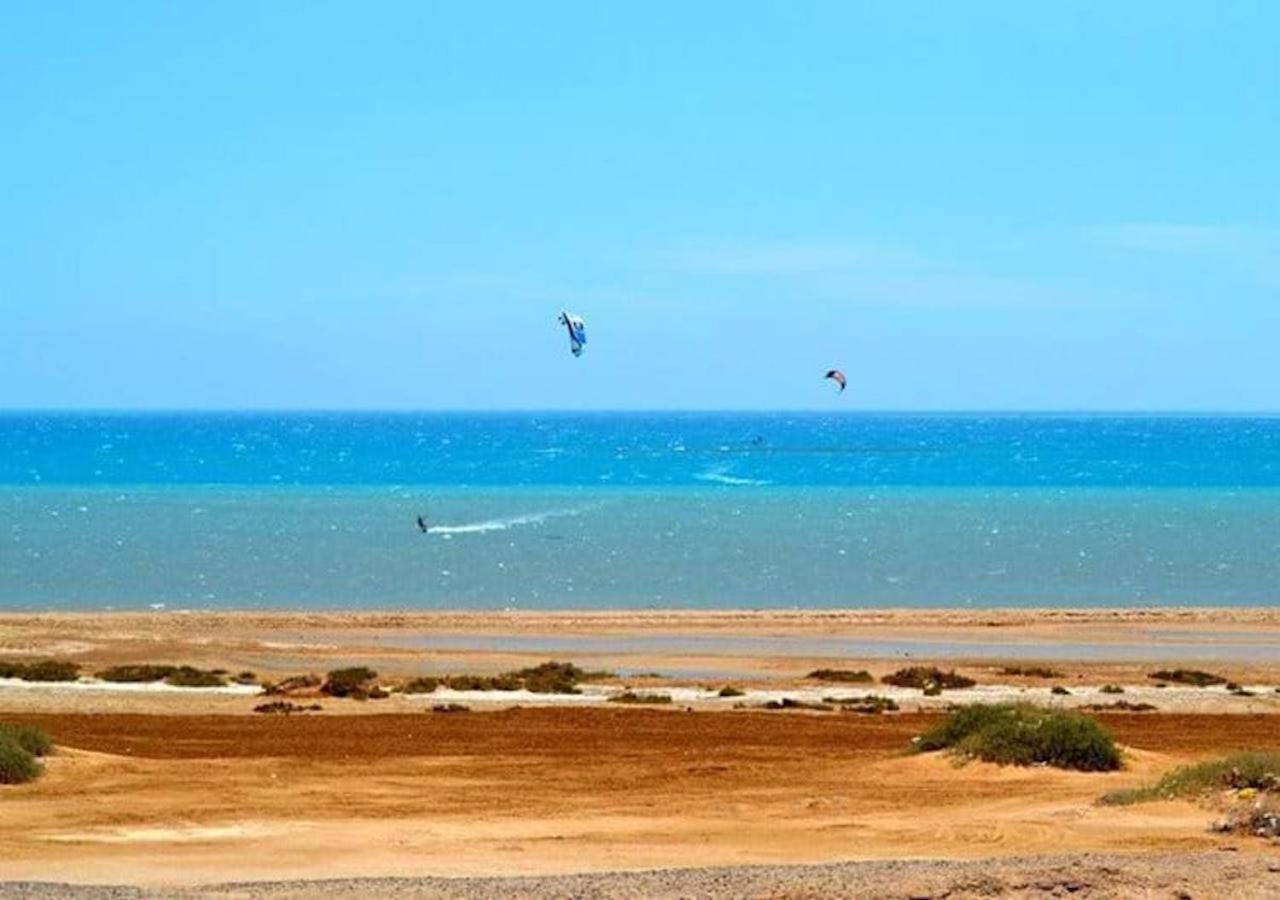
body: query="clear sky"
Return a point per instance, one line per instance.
(971, 205)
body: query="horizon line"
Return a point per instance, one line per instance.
(861, 411)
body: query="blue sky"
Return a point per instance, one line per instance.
(965, 205)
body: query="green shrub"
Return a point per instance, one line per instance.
(1019, 734)
(137, 673)
(871, 704)
(1111, 689)
(45, 670)
(186, 676)
(1259, 769)
(1188, 676)
(1060, 691)
(851, 676)
(28, 737)
(422, 685)
(924, 677)
(633, 697)
(788, 703)
(293, 684)
(285, 708)
(450, 708)
(350, 682)
(17, 765)
(246, 678)
(549, 678)
(730, 691)
(1031, 672)
(1119, 706)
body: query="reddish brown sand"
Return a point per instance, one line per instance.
(150, 799)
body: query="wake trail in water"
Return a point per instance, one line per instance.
(722, 476)
(508, 522)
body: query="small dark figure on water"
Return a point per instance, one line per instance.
(422, 524)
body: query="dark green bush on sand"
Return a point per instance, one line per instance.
(1111, 689)
(46, 670)
(871, 704)
(137, 673)
(1018, 734)
(350, 682)
(186, 676)
(851, 676)
(633, 697)
(730, 691)
(925, 677)
(28, 737)
(17, 765)
(1188, 676)
(423, 685)
(1031, 672)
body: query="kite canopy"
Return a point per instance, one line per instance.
(577, 332)
(838, 377)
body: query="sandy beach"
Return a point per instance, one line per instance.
(186, 788)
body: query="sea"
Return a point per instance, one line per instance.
(565, 510)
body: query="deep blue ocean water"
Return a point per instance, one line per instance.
(630, 510)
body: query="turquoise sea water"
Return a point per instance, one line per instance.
(633, 510)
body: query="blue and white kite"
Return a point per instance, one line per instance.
(577, 332)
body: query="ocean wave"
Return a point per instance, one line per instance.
(508, 522)
(721, 476)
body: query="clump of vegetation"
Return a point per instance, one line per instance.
(788, 703)
(17, 764)
(639, 698)
(246, 678)
(1020, 734)
(354, 682)
(137, 673)
(285, 708)
(847, 676)
(730, 691)
(450, 708)
(1119, 706)
(1257, 771)
(550, 678)
(295, 684)
(870, 705)
(1243, 692)
(186, 676)
(1193, 677)
(422, 685)
(1031, 672)
(1060, 691)
(481, 682)
(45, 670)
(28, 737)
(926, 677)
(1111, 689)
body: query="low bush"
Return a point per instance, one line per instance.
(1060, 691)
(421, 685)
(45, 670)
(1119, 706)
(137, 673)
(851, 676)
(450, 708)
(1031, 672)
(633, 697)
(1020, 734)
(871, 704)
(17, 765)
(730, 691)
(285, 708)
(246, 678)
(1192, 677)
(353, 682)
(788, 703)
(1258, 770)
(28, 737)
(295, 684)
(1111, 689)
(186, 676)
(925, 677)
(549, 678)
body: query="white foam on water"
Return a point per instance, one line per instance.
(507, 522)
(722, 476)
